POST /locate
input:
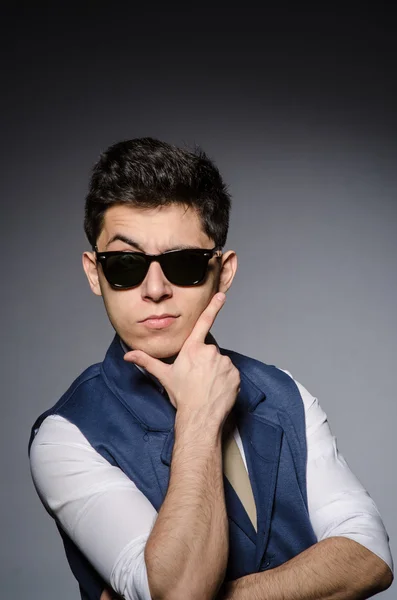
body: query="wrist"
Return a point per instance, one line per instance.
(198, 424)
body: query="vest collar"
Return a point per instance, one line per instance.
(156, 382)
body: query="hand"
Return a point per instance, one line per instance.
(201, 379)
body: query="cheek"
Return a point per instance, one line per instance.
(194, 302)
(121, 306)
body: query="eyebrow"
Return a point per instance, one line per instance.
(131, 242)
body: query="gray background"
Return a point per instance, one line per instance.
(298, 110)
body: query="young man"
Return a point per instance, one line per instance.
(131, 461)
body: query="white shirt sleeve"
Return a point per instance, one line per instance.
(97, 505)
(338, 503)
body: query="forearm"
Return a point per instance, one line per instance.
(186, 553)
(336, 568)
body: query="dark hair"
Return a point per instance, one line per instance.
(147, 173)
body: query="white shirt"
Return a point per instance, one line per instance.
(109, 519)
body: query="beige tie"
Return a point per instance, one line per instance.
(235, 471)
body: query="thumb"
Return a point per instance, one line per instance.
(155, 366)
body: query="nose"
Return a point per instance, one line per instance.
(155, 286)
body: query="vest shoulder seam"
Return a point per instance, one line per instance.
(91, 372)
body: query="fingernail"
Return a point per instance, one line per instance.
(221, 296)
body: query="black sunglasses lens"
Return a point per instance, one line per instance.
(185, 267)
(125, 270)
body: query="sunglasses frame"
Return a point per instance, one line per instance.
(101, 257)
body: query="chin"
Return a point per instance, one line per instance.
(163, 350)
(158, 346)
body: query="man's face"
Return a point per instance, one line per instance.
(156, 231)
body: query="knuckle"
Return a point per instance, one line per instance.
(236, 374)
(212, 349)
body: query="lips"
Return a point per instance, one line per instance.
(151, 317)
(159, 322)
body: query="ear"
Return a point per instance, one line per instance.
(228, 270)
(90, 267)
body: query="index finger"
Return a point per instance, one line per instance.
(207, 318)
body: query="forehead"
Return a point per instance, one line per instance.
(161, 227)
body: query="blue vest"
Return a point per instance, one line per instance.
(129, 422)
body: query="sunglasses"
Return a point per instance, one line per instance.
(125, 269)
